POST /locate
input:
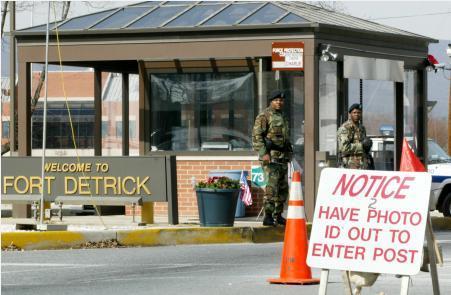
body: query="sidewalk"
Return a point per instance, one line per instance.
(121, 229)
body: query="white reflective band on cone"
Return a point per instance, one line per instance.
(295, 191)
(296, 212)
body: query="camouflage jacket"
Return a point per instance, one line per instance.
(273, 125)
(350, 149)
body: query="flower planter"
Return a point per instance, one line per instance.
(236, 175)
(216, 206)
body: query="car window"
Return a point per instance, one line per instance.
(436, 153)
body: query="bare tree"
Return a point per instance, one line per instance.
(34, 100)
(4, 11)
(329, 5)
(66, 6)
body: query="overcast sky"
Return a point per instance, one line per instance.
(428, 18)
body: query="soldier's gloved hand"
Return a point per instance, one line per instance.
(266, 158)
(367, 143)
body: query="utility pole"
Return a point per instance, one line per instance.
(449, 117)
(448, 52)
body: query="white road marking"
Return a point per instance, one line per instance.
(40, 264)
(44, 267)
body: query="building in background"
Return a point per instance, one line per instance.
(80, 97)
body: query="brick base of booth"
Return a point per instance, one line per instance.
(189, 171)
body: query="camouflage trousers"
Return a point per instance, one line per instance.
(276, 191)
(355, 162)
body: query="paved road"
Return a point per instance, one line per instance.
(197, 269)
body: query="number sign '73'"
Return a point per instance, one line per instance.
(258, 177)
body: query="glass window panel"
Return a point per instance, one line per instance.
(179, 2)
(133, 114)
(132, 129)
(157, 17)
(377, 101)
(121, 18)
(328, 107)
(118, 128)
(437, 109)
(409, 103)
(378, 115)
(292, 18)
(194, 15)
(231, 14)
(292, 84)
(59, 131)
(202, 111)
(5, 129)
(111, 115)
(39, 28)
(105, 126)
(268, 14)
(84, 22)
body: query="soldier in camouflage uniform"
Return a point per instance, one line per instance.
(353, 145)
(270, 138)
(353, 152)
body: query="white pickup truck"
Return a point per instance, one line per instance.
(439, 165)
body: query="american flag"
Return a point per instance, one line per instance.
(246, 195)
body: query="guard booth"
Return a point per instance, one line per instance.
(204, 71)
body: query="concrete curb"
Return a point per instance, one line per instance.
(43, 240)
(31, 240)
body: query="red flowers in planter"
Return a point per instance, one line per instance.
(219, 182)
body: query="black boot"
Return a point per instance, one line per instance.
(268, 220)
(280, 220)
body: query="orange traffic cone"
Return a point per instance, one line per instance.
(294, 268)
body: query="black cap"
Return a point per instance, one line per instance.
(354, 106)
(276, 94)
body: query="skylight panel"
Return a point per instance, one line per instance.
(194, 16)
(232, 14)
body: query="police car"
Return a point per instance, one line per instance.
(439, 165)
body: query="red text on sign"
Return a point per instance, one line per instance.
(338, 251)
(364, 234)
(373, 186)
(338, 213)
(390, 255)
(394, 217)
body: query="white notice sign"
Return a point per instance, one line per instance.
(372, 221)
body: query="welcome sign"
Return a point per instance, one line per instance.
(96, 176)
(371, 221)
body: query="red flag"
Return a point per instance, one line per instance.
(410, 162)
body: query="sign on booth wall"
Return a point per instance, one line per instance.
(371, 221)
(258, 177)
(288, 56)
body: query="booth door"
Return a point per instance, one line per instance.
(378, 86)
(378, 116)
